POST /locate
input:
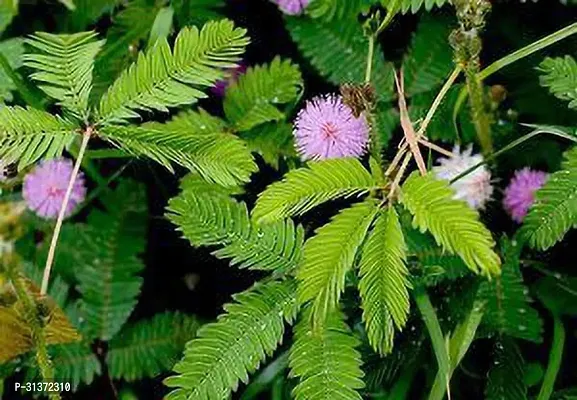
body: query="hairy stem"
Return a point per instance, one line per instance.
(555, 358)
(58, 227)
(514, 57)
(436, 334)
(33, 320)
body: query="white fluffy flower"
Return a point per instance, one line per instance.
(474, 188)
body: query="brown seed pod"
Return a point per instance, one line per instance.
(359, 98)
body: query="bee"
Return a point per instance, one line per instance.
(9, 171)
(359, 98)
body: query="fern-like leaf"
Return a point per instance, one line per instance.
(338, 50)
(560, 76)
(329, 255)
(384, 282)
(12, 50)
(194, 140)
(508, 310)
(209, 218)
(430, 59)
(412, 6)
(273, 141)
(26, 135)
(255, 97)
(130, 27)
(506, 376)
(163, 78)
(337, 9)
(303, 189)
(228, 350)
(74, 363)
(64, 65)
(108, 282)
(147, 348)
(325, 360)
(554, 211)
(453, 223)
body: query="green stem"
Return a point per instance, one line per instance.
(436, 334)
(371, 52)
(528, 50)
(514, 57)
(38, 334)
(551, 130)
(479, 114)
(267, 377)
(459, 344)
(437, 102)
(555, 358)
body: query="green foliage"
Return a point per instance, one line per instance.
(209, 217)
(560, 76)
(412, 5)
(338, 50)
(226, 351)
(74, 363)
(255, 97)
(453, 223)
(508, 310)
(197, 12)
(506, 376)
(429, 60)
(27, 135)
(337, 9)
(12, 51)
(162, 26)
(149, 347)
(383, 284)
(558, 293)
(305, 188)
(273, 141)
(325, 360)
(433, 263)
(88, 11)
(64, 65)
(130, 27)
(554, 211)
(108, 282)
(163, 78)
(194, 140)
(329, 255)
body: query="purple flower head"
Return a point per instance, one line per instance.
(327, 128)
(45, 187)
(220, 86)
(292, 7)
(520, 194)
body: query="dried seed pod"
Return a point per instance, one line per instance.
(359, 98)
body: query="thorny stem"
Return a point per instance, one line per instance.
(63, 207)
(555, 358)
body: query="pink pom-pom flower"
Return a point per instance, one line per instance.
(326, 128)
(233, 74)
(45, 187)
(292, 7)
(520, 194)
